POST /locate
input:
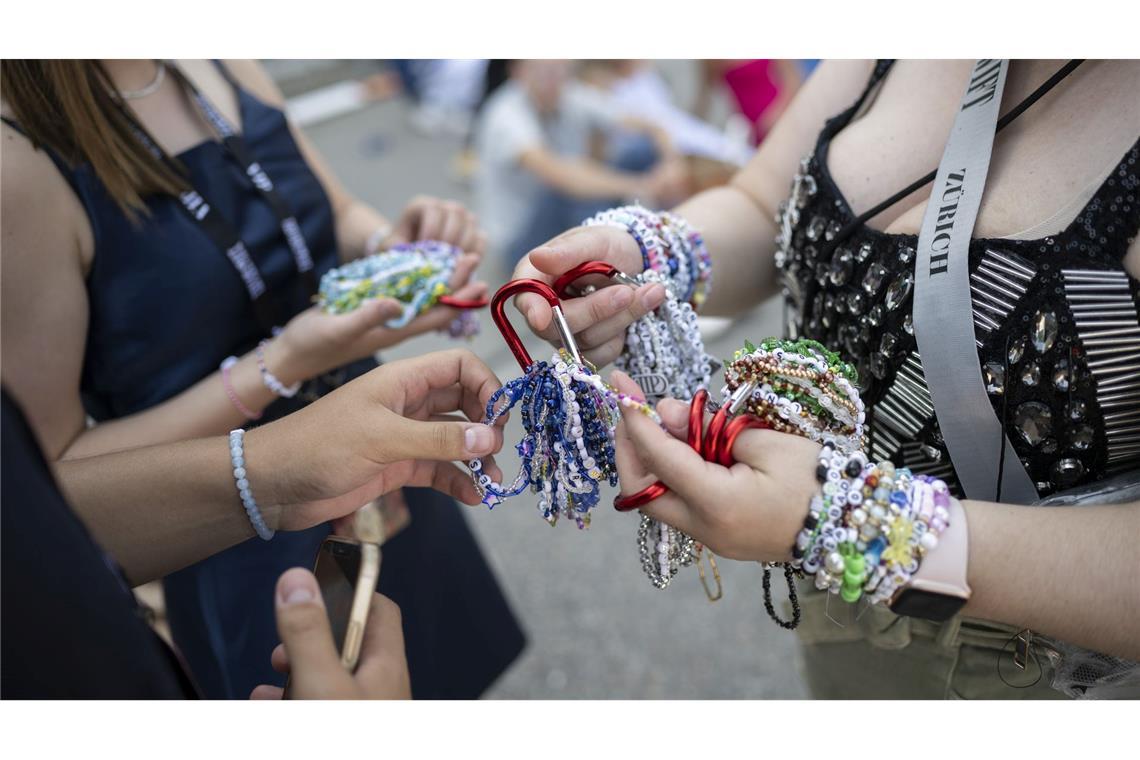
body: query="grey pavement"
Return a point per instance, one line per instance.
(596, 627)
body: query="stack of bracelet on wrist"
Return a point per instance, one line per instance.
(415, 274)
(798, 387)
(664, 352)
(869, 527)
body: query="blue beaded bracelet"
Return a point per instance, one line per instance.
(237, 458)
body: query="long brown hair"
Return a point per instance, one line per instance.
(70, 107)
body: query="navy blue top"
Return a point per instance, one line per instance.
(166, 305)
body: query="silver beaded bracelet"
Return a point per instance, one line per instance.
(237, 458)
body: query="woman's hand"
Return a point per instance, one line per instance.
(427, 218)
(750, 511)
(598, 320)
(308, 653)
(385, 430)
(315, 342)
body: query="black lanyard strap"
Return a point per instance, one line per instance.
(239, 151)
(223, 234)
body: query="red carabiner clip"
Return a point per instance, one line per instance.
(462, 303)
(514, 343)
(563, 283)
(715, 446)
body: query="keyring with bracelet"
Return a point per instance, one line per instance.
(568, 415)
(665, 355)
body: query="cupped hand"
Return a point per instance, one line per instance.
(598, 320)
(392, 427)
(309, 655)
(427, 218)
(749, 511)
(315, 342)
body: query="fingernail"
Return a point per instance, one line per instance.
(622, 297)
(674, 413)
(297, 588)
(478, 439)
(653, 297)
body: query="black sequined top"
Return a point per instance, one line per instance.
(1055, 321)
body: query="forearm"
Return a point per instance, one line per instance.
(739, 235)
(1067, 572)
(586, 179)
(160, 508)
(204, 409)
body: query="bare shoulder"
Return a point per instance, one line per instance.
(38, 204)
(254, 78)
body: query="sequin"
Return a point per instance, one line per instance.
(856, 302)
(888, 343)
(994, 376)
(899, 291)
(873, 279)
(864, 253)
(875, 315)
(1016, 351)
(833, 229)
(1066, 472)
(1049, 446)
(1061, 375)
(1081, 437)
(906, 254)
(1033, 422)
(908, 325)
(1031, 374)
(1077, 410)
(815, 228)
(842, 265)
(1044, 330)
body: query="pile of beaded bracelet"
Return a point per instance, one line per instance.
(669, 246)
(869, 527)
(568, 416)
(415, 274)
(800, 387)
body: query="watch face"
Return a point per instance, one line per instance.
(913, 602)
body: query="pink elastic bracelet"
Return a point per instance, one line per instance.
(227, 365)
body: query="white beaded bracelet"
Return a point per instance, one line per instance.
(237, 458)
(270, 380)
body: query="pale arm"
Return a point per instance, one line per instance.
(1067, 572)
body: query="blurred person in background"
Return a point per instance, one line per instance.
(761, 89)
(160, 217)
(446, 92)
(537, 171)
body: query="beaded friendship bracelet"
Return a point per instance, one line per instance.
(415, 274)
(237, 459)
(868, 529)
(270, 380)
(226, 367)
(664, 352)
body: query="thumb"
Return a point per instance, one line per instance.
(372, 313)
(304, 626)
(444, 441)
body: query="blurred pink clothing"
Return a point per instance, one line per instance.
(754, 87)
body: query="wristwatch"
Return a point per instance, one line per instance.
(938, 589)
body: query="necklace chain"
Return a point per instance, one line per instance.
(150, 89)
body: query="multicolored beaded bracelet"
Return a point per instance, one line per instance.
(415, 274)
